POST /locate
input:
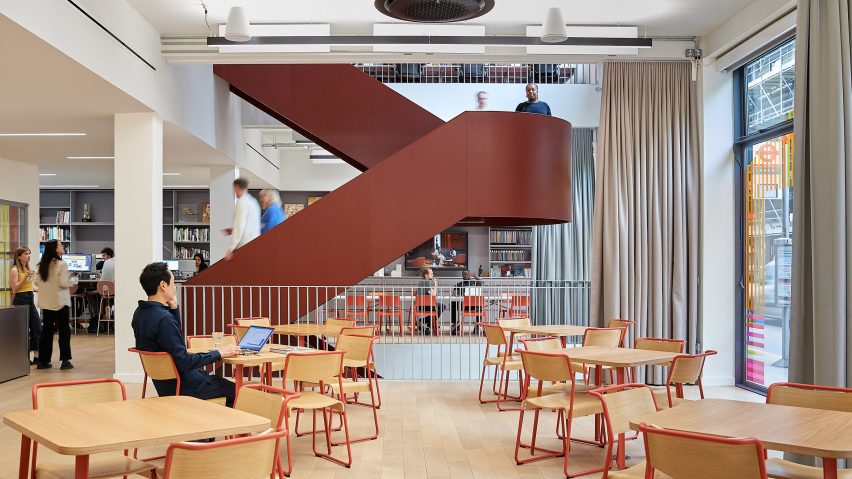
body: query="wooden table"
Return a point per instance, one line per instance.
(115, 426)
(263, 358)
(302, 330)
(813, 432)
(617, 358)
(562, 331)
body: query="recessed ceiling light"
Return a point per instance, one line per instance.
(47, 174)
(171, 174)
(42, 134)
(90, 157)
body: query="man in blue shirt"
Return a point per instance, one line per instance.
(156, 326)
(532, 105)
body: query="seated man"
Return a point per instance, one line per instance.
(156, 325)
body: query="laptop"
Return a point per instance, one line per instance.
(255, 339)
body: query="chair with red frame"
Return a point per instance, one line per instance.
(808, 396)
(273, 403)
(696, 456)
(106, 290)
(604, 337)
(368, 364)
(658, 344)
(620, 403)
(685, 369)
(554, 367)
(320, 368)
(620, 323)
(356, 306)
(548, 343)
(425, 306)
(503, 362)
(250, 457)
(472, 306)
(515, 305)
(159, 366)
(71, 393)
(389, 306)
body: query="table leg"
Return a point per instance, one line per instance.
(300, 340)
(238, 380)
(269, 373)
(620, 376)
(24, 467)
(81, 467)
(829, 468)
(621, 451)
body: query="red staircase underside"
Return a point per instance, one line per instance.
(422, 176)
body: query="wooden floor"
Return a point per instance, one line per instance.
(428, 429)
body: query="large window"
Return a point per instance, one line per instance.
(765, 169)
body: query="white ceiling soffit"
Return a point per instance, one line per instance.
(740, 54)
(589, 32)
(406, 29)
(301, 30)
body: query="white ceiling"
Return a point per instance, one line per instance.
(42, 90)
(654, 17)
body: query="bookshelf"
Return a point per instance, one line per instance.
(509, 250)
(61, 217)
(186, 223)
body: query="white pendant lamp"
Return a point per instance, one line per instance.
(553, 30)
(237, 28)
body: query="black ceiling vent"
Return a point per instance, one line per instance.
(434, 11)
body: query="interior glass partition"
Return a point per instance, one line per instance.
(13, 235)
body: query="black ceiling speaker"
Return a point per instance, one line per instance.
(434, 11)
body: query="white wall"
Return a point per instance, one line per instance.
(299, 173)
(718, 219)
(19, 183)
(579, 104)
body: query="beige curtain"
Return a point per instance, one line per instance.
(821, 320)
(645, 243)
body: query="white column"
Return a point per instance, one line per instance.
(221, 208)
(138, 223)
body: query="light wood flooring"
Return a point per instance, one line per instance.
(428, 429)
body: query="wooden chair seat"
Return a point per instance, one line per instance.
(100, 466)
(315, 400)
(513, 363)
(349, 386)
(635, 472)
(584, 405)
(662, 398)
(532, 391)
(781, 469)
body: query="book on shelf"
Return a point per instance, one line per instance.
(200, 235)
(511, 255)
(183, 252)
(62, 217)
(515, 237)
(47, 233)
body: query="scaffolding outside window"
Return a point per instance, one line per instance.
(769, 86)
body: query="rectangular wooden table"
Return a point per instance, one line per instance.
(115, 426)
(263, 358)
(813, 432)
(617, 358)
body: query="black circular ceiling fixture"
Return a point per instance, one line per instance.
(434, 11)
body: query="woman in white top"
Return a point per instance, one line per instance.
(54, 299)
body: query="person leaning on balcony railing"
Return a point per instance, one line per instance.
(156, 326)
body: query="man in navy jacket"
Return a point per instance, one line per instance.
(156, 325)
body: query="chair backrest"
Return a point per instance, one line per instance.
(72, 393)
(314, 366)
(73, 289)
(548, 343)
(424, 300)
(355, 347)
(242, 325)
(619, 323)
(686, 368)
(159, 366)
(205, 341)
(810, 396)
(387, 300)
(265, 401)
(106, 288)
(547, 366)
(518, 300)
(623, 402)
(251, 457)
(606, 337)
(660, 344)
(697, 456)
(358, 301)
(514, 322)
(340, 322)
(473, 302)
(494, 335)
(358, 330)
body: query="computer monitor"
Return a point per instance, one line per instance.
(174, 265)
(79, 263)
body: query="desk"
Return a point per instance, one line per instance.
(813, 432)
(115, 426)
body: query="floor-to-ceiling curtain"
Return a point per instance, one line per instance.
(562, 253)
(645, 246)
(821, 321)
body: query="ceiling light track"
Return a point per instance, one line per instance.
(433, 40)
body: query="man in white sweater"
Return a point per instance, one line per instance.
(246, 225)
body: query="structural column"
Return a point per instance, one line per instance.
(221, 208)
(138, 223)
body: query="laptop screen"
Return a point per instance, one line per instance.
(256, 337)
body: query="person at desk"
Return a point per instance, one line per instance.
(106, 255)
(54, 299)
(533, 105)
(200, 264)
(428, 286)
(468, 280)
(21, 280)
(157, 328)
